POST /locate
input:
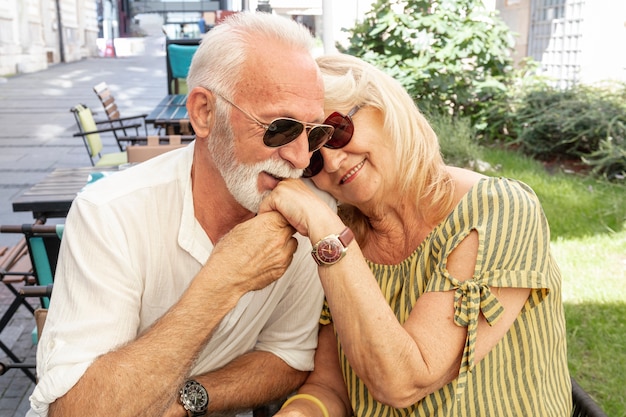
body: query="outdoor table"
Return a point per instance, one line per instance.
(171, 114)
(52, 197)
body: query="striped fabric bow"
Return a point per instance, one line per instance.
(470, 299)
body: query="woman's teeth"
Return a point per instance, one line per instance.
(352, 172)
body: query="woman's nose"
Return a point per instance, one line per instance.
(332, 158)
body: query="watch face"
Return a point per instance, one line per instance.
(330, 250)
(194, 397)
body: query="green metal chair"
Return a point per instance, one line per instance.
(90, 131)
(178, 61)
(42, 243)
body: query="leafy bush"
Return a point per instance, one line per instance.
(610, 157)
(456, 139)
(496, 120)
(451, 56)
(581, 123)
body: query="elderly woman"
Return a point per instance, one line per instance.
(443, 298)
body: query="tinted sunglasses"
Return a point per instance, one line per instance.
(284, 130)
(344, 128)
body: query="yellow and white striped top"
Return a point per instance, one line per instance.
(526, 373)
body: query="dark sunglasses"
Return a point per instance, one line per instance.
(344, 128)
(284, 130)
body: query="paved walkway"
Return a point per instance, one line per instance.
(36, 130)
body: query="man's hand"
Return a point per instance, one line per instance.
(254, 253)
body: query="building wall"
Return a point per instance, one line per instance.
(603, 50)
(575, 41)
(516, 15)
(29, 33)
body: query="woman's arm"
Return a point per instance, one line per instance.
(420, 356)
(325, 383)
(399, 363)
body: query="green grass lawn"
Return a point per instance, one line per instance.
(587, 218)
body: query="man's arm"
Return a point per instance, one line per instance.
(142, 377)
(249, 381)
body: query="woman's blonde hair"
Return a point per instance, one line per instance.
(420, 170)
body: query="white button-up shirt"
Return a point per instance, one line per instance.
(131, 247)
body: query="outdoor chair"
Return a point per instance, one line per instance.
(90, 132)
(179, 54)
(42, 244)
(155, 147)
(40, 314)
(15, 271)
(584, 405)
(182, 127)
(130, 125)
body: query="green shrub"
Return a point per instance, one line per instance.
(453, 57)
(456, 138)
(449, 55)
(580, 123)
(497, 119)
(609, 159)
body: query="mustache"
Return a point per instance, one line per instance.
(279, 169)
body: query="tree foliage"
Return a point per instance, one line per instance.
(451, 55)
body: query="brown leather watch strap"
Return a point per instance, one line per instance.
(346, 237)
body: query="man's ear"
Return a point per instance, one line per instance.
(201, 110)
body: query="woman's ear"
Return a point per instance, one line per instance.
(201, 110)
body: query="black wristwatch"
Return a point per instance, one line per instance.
(194, 398)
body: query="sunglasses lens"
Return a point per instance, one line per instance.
(315, 166)
(319, 136)
(340, 137)
(282, 131)
(343, 130)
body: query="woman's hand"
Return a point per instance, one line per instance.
(304, 210)
(292, 411)
(324, 391)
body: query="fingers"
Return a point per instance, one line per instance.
(295, 201)
(255, 253)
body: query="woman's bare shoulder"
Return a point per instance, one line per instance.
(464, 180)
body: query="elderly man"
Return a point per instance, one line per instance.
(172, 297)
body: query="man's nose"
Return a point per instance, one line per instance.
(297, 151)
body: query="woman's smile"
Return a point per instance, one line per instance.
(350, 175)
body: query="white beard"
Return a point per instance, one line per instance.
(242, 180)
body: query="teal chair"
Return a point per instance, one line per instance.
(42, 243)
(178, 63)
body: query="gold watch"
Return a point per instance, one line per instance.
(332, 248)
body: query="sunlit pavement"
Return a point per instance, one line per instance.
(36, 129)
